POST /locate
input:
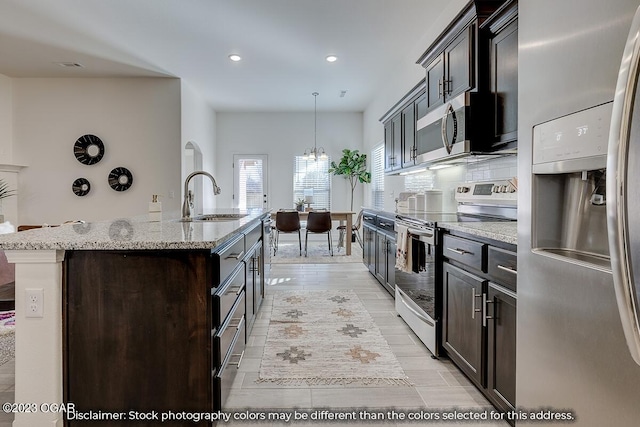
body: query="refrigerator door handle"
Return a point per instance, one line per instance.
(617, 219)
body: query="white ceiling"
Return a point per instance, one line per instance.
(283, 44)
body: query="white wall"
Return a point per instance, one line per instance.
(199, 128)
(281, 136)
(6, 120)
(138, 120)
(8, 173)
(394, 87)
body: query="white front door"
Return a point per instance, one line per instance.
(250, 183)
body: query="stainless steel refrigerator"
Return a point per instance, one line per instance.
(577, 343)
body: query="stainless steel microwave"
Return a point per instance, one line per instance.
(454, 129)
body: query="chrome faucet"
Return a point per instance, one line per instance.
(187, 204)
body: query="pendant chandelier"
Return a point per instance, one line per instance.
(315, 152)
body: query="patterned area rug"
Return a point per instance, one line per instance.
(289, 253)
(7, 336)
(7, 322)
(326, 337)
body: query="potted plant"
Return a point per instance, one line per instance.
(300, 205)
(352, 166)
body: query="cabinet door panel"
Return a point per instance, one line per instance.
(501, 343)
(396, 129)
(462, 320)
(504, 83)
(458, 65)
(434, 79)
(421, 106)
(388, 145)
(408, 135)
(391, 264)
(138, 328)
(368, 252)
(381, 257)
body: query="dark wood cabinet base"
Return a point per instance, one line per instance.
(137, 333)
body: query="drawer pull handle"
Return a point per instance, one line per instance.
(236, 325)
(236, 256)
(459, 251)
(236, 290)
(507, 269)
(237, 364)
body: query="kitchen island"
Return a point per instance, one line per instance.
(123, 315)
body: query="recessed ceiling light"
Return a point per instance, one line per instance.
(332, 58)
(235, 57)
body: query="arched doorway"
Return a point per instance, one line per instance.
(192, 163)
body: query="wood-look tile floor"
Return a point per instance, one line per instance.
(438, 384)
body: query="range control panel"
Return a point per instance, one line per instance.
(494, 192)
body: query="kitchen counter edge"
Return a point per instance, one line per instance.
(502, 231)
(135, 233)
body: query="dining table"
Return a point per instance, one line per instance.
(344, 217)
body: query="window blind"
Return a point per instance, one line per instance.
(377, 177)
(250, 183)
(312, 178)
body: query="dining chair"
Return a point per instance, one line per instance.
(355, 229)
(287, 222)
(318, 222)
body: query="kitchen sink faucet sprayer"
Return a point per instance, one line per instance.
(187, 204)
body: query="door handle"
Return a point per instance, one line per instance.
(475, 310)
(446, 87)
(449, 111)
(486, 316)
(440, 88)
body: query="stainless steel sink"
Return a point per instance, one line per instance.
(219, 217)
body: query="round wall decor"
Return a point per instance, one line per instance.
(88, 149)
(120, 179)
(81, 187)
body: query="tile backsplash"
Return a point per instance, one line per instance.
(500, 168)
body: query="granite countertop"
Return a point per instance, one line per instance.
(505, 231)
(135, 233)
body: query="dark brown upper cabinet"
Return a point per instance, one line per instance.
(450, 72)
(502, 29)
(400, 129)
(456, 61)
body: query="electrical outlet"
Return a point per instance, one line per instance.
(34, 302)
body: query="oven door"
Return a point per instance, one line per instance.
(416, 290)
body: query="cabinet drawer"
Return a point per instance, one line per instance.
(226, 295)
(386, 224)
(369, 218)
(225, 335)
(252, 236)
(227, 258)
(465, 251)
(502, 265)
(223, 379)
